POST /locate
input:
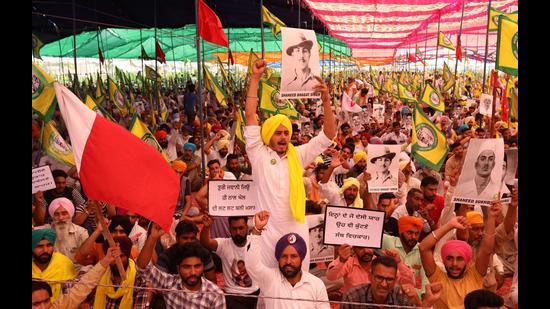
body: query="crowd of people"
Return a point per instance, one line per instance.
(435, 253)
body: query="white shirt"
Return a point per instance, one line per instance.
(231, 254)
(401, 139)
(331, 192)
(215, 155)
(270, 173)
(401, 211)
(273, 283)
(174, 138)
(138, 235)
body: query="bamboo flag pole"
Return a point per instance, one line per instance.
(459, 38)
(199, 87)
(262, 26)
(486, 45)
(437, 45)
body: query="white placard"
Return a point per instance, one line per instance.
(319, 251)
(232, 198)
(42, 179)
(300, 64)
(354, 226)
(509, 169)
(486, 104)
(383, 166)
(481, 177)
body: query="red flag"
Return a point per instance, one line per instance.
(504, 103)
(210, 27)
(412, 58)
(101, 55)
(134, 176)
(230, 57)
(159, 53)
(458, 49)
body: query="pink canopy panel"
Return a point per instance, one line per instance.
(376, 29)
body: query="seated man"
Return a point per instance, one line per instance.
(197, 292)
(289, 279)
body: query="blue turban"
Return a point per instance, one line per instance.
(291, 239)
(190, 146)
(38, 235)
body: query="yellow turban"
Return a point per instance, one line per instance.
(359, 156)
(474, 217)
(501, 124)
(351, 181)
(318, 160)
(297, 191)
(403, 164)
(222, 143)
(179, 165)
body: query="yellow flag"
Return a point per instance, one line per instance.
(272, 103)
(432, 97)
(43, 93)
(239, 127)
(429, 145)
(140, 129)
(448, 77)
(507, 46)
(493, 18)
(211, 84)
(97, 108)
(55, 146)
(405, 94)
(117, 97)
(445, 41)
(151, 74)
(272, 21)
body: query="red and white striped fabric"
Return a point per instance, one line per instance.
(117, 167)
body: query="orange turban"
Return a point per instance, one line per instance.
(474, 217)
(161, 134)
(179, 166)
(405, 223)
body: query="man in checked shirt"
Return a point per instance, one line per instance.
(194, 291)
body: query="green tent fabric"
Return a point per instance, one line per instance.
(126, 43)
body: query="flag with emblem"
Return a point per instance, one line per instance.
(151, 74)
(507, 46)
(163, 108)
(272, 21)
(445, 41)
(36, 45)
(54, 144)
(140, 129)
(494, 15)
(226, 78)
(432, 97)
(272, 103)
(429, 145)
(99, 88)
(43, 93)
(117, 97)
(212, 85)
(97, 108)
(405, 94)
(448, 77)
(239, 126)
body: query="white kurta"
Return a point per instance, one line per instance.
(270, 173)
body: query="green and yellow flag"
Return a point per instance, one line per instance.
(211, 84)
(140, 129)
(225, 75)
(432, 97)
(272, 103)
(507, 46)
(55, 146)
(163, 108)
(117, 97)
(445, 41)
(43, 93)
(272, 21)
(448, 77)
(493, 18)
(151, 74)
(239, 126)
(99, 88)
(36, 45)
(405, 94)
(429, 145)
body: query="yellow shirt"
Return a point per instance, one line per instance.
(455, 290)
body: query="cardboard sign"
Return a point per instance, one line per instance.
(232, 198)
(354, 226)
(383, 165)
(42, 179)
(319, 251)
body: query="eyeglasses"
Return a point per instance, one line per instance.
(379, 279)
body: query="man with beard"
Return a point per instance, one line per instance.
(111, 297)
(222, 148)
(47, 264)
(412, 207)
(278, 166)
(289, 281)
(395, 134)
(382, 290)
(231, 251)
(193, 164)
(61, 190)
(407, 245)
(347, 195)
(432, 205)
(355, 269)
(360, 159)
(69, 236)
(233, 166)
(462, 276)
(454, 164)
(197, 292)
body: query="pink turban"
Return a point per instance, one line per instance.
(462, 247)
(61, 201)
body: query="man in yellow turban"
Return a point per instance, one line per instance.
(221, 144)
(348, 195)
(277, 166)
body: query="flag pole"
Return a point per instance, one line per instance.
(155, 95)
(262, 26)
(142, 68)
(199, 87)
(458, 39)
(486, 45)
(425, 58)
(75, 82)
(99, 47)
(173, 58)
(437, 45)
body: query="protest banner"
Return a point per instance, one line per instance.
(232, 198)
(353, 226)
(42, 179)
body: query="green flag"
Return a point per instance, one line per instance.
(429, 145)
(494, 15)
(271, 103)
(432, 97)
(507, 46)
(43, 93)
(405, 94)
(272, 21)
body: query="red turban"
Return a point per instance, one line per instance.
(161, 134)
